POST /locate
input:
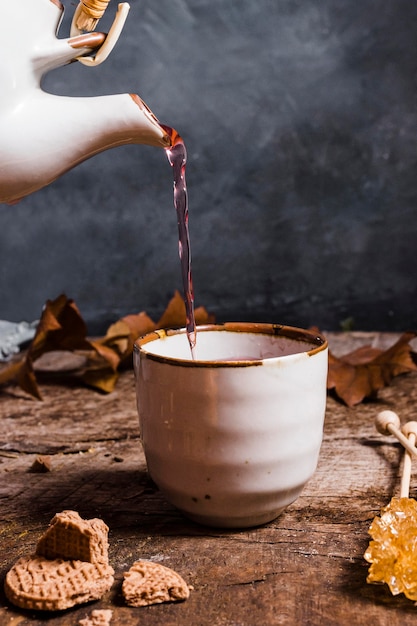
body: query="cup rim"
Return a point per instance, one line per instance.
(291, 332)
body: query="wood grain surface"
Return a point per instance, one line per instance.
(306, 567)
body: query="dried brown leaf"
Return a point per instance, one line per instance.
(362, 355)
(10, 371)
(26, 379)
(139, 325)
(362, 373)
(174, 315)
(116, 337)
(100, 375)
(203, 317)
(105, 354)
(61, 328)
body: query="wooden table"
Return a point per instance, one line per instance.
(306, 567)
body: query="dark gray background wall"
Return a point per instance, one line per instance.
(300, 122)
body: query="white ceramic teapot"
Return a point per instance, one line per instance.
(43, 135)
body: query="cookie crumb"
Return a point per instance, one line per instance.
(152, 583)
(41, 465)
(98, 617)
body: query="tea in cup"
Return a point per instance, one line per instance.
(232, 436)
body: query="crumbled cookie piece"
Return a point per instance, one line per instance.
(98, 617)
(37, 583)
(71, 537)
(151, 583)
(41, 465)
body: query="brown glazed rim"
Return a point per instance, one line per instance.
(291, 332)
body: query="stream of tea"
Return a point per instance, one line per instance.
(177, 157)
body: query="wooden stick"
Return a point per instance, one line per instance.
(388, 423)
(410, 431)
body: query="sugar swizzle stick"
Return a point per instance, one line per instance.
(392, 552)
(388, 423)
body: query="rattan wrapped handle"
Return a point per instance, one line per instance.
(89, 13)
(85, 18)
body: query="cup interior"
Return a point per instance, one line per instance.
(231, 342)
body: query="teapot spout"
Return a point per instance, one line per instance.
(153, 133)
(48, 135)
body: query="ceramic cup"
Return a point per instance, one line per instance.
(231, 437)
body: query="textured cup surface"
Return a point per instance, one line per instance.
(231, 437)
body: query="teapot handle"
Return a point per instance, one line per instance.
(111, 38)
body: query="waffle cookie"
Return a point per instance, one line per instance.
(151, 583)
(71, 537)
(56, 584)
